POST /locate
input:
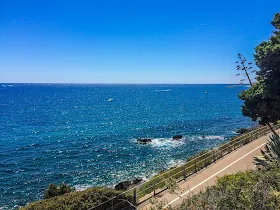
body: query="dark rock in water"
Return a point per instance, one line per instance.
(246, 130)
(128, 184)
(144, 141)
(243, 130)
(123, 185)
(177, 137)
(137, 181)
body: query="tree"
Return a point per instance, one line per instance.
(267, 57)
(241, 65)
(262, 99)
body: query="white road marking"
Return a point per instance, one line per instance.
(212, 176)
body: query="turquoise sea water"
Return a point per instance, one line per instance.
(73, 134)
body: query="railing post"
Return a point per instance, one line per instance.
(184, 172)
(112, 203)
(214, 156)
(135, 197)
(195, 169)
(154, 187)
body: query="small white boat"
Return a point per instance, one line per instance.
(168, 90)
(110, 99)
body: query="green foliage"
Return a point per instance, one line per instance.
(276, 21)
(54, 190)
(80, 200)
(253, 101)
(254, 189)
(172, 186)
(261, 101)
(271, 154)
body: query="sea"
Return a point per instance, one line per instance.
(85, 135)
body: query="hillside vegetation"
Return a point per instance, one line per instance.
(80, 200)
(254, 189)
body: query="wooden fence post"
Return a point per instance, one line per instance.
(154, 187)
(135, 197)
(184, 172)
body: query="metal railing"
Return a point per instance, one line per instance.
(159, 183)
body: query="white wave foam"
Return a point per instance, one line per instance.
(211, 137)
(79, 187)
(147, 177)
(173, 163)
(165, 143)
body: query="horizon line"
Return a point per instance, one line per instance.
(81, 83)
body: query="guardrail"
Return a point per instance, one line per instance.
(159, 182)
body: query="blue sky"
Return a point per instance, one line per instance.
(129, 41)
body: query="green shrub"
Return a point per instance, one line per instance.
(254, 189)
(80, 200)
(54, 190)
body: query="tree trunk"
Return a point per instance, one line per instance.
(273, 131)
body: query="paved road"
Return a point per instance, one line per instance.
(239, 160)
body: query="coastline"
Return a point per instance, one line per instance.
(255, 133)
(183, 161)
(55, 133)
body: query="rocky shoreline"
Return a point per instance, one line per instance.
(128, 184)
